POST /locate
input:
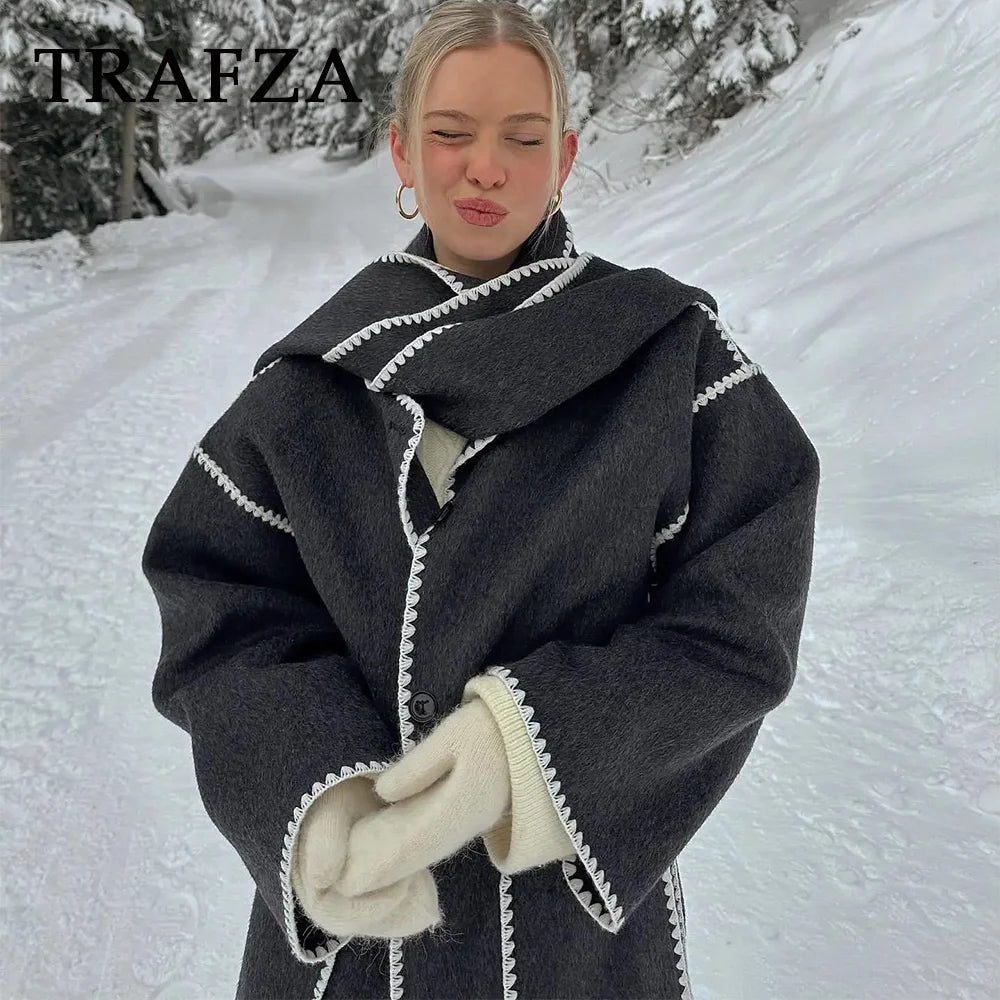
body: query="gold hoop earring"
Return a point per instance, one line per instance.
(555, 207)
(399, 204)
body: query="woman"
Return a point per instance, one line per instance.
(460, 715)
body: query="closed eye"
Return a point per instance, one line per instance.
(458, 135)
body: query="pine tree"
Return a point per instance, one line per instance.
(326, 115)
(67, 164)
(245, 26)
(717, 57)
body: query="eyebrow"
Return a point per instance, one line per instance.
(462, 116)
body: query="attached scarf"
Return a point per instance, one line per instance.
(487, 358)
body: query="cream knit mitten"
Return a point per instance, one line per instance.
(320, 854)
(444, 792)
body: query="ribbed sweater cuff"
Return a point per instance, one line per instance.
(532, 834)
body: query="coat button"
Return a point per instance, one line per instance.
(423, 707)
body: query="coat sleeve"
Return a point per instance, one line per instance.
(253, 668)
(639, 738)
(531, 832)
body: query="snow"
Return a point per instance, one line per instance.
(848, 229)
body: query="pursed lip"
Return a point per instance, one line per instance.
(481, 205)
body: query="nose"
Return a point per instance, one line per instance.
(484, 166)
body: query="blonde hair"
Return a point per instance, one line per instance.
(456, 24)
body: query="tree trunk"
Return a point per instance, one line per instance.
(126, 190)
(6, 205)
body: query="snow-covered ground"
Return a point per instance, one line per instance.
(848, 228)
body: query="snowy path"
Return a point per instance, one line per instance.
(104, 398)
(848, 230)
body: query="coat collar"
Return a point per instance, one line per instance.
(487, 357)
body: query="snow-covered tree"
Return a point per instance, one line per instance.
(245, 26)
(68, 159)
(714, 57)
(331, 112)
(31, 25)
(717, 57)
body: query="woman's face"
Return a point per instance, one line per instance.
(480, 155)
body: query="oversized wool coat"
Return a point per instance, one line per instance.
(626, 543)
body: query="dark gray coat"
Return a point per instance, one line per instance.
(627, 542)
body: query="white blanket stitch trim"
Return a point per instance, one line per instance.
(507, 939)
(470, 449)
(319, 990)
(671, 883)
(395, 968)
(665, 534)
(213, 469)
(328, 951)
(737, 375)
(402, 257)
(266, 367)
(570, 267)
(418, 546)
